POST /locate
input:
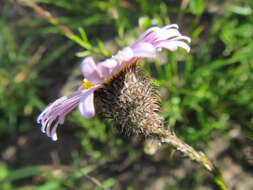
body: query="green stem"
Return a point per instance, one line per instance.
(199, 157)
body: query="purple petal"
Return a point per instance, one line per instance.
(106, 67)
(156, 34)
(123, 58)
(166, 34)
(124, 55)
(147, 32)
(170, 26)
(86, 105)
(144, 50)
(166, 37)
(162, 34)
(152, 36)
(55, 113)
(89, 70)
(173, 45)
(184, 38)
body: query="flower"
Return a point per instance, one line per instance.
(96, 76)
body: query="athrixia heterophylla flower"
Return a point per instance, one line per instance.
(117, 89)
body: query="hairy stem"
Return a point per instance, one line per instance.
(199, 157)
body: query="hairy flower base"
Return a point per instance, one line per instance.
(132, 102)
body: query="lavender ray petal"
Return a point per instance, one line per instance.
(106, 67)
(172, 45)
(86, 104)
(169, 26)
(89, 70)
(56, 112)
(147, 32)
(144, 50)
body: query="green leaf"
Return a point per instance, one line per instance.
(240, 10)
(83, 35)
(83, 53)
(23, 173)
(80, 42)
(144, 22)
(197, 6)
(50, 186)
(102, 48)
(109, 183)
(3, 171)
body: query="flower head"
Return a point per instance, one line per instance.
(98, 76)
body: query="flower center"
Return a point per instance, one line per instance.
(87, 84)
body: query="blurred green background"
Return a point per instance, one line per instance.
(206, 95)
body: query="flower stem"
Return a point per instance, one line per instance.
(199, 157)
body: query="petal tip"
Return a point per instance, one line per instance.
(171, 26)
(88, 115)
(54, 137)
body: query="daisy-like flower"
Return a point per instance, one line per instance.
(97, 79)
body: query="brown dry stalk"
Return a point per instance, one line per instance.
(30, 64)
(64, 168)
(47, 15)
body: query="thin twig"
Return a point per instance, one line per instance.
(183, 6)
(47, 15)
(32, 61)
(48, 168)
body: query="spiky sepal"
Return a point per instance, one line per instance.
(131, 101)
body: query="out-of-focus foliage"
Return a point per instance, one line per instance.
(18, 87)
(204, 93)
(212, 90)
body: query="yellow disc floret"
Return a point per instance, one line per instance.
(87, 84)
